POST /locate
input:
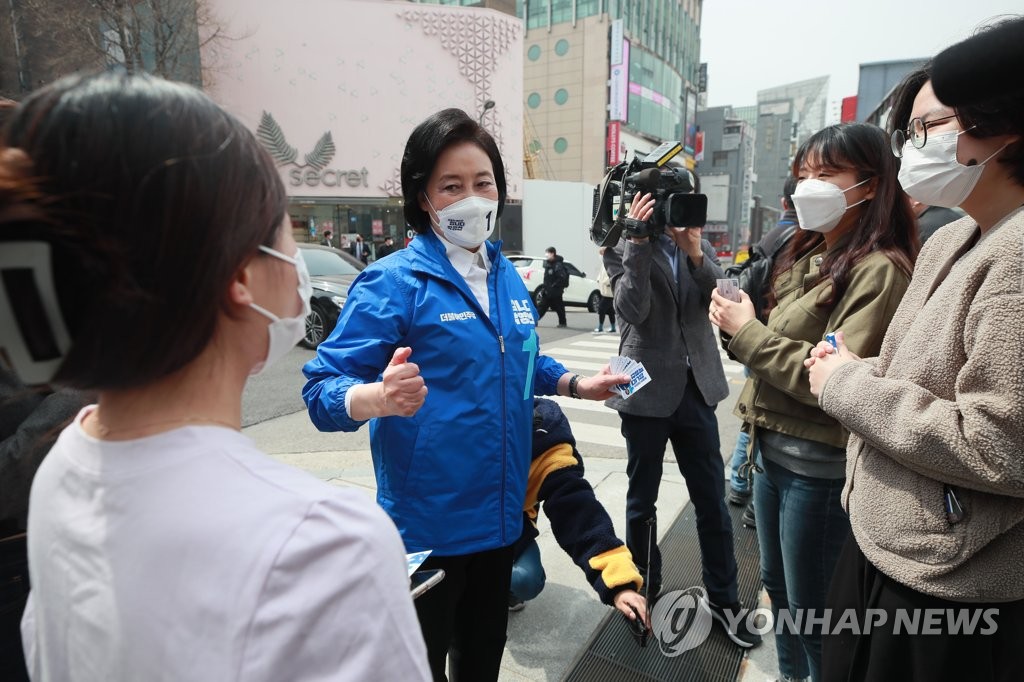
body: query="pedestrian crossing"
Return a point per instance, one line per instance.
(592, 423)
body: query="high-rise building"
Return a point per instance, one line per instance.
(606, 77)
(810, 103)
(776, 144)
(876, 85)
(726, 174)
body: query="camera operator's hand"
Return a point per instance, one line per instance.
(641, 209)
(688, 240)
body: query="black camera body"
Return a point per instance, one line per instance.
(675, 203)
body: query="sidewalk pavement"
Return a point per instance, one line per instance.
(544, 638)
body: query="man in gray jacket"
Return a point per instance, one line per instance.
(663, 289)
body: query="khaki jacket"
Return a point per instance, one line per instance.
(777, 395)
(943, 405)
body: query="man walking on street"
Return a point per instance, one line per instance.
(387, 248)
(556, 279)
(662, 290)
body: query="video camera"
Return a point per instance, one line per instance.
(672, 189)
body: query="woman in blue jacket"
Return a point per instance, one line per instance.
(450, 433)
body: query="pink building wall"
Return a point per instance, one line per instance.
(367, 72)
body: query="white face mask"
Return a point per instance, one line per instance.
(820, 205)
(468, 222)
(285, 332)
(932, 175)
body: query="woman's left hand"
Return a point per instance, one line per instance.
(728, 315)
(598, 387)
(824, 364)
(627, 598)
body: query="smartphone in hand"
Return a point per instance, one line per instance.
(729, 288)
(421, 581)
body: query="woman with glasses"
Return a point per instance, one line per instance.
(846, 268)
(935, 487)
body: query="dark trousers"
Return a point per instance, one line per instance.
(605, 307)
(885, 654)
(693, 431)
(465, 616)
(552, 300)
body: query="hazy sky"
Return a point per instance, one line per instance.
(751, 45)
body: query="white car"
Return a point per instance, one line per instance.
(581, 292)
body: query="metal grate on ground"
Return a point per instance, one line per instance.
(612, 655)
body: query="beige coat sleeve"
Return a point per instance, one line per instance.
(973, 441)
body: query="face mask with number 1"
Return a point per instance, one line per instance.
(468, 222)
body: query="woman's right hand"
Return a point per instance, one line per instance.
(402, 389)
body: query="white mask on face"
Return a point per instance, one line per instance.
(285, 332)
(932, 175)
(468, 222)
(820, 205)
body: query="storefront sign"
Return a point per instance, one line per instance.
(314, 171)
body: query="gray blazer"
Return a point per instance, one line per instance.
(663, 318)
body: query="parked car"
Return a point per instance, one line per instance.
(581, 292)
(331, 271)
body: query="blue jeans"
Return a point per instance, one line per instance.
(801, 528)
(739, 456)
(528, 576)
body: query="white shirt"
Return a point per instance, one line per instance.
(474, 268)
(191, 555)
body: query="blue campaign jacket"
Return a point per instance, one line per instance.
(453, 476)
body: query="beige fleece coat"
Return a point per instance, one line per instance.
(943, 404)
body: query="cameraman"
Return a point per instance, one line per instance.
(663, 283)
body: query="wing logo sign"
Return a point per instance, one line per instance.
(314, 172)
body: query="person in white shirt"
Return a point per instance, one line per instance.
(163, 545)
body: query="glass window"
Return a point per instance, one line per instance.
(561, 11)
(586, 8)
(538, 14)
(562, 47)
(323, 263)
(533, 53)
(561, 144)
(561, 96)
(533, 100)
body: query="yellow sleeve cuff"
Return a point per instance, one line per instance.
(617, 568)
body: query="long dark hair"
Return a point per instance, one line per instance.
(885, 223)
(431, 137)
(152, 198)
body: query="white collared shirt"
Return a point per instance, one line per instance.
(474, 268)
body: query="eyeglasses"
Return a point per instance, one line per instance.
(916, 133)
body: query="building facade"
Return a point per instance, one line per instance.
(876, 85)
(334, 87)
(773, 156)
(727, 177)
(810, 104)
(607, 77)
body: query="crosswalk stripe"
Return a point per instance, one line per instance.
(599, 435)
(573, 363)
(581, 353)
(567, 403)
(605, 342)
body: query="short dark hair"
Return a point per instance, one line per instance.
(787, 191)
(887, 223)
(551, 249)
(152, 198)
(1003, 115)
(426, 143)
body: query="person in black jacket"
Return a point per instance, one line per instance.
(579, 521)
(556, 279)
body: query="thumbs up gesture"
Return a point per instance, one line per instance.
(402, 390)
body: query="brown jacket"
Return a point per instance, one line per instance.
(943, 404)
(777, 395)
